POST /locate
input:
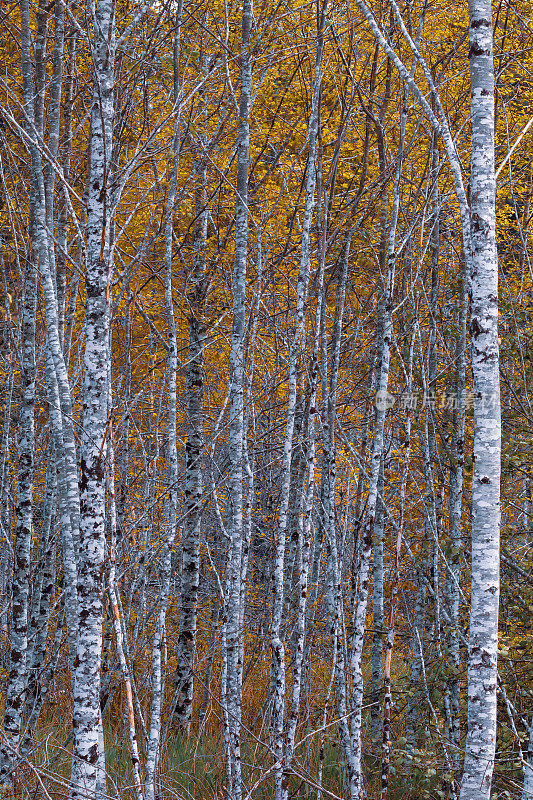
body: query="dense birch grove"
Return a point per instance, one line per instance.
(266, 503)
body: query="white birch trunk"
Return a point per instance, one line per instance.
(172, 372)
(60, 405)
(377, 614)
(158, 682)
(395, 589)
(483, 638)
(40, 616)
(7, 352)
(190, 542)
(278, 650)
(113, 592)
(350, 742)
(382, 383)
(455, 506)
(18, 640)
(87, 779)
(232, 697)
(414, 700)
(164, 573)
(304, 522)
(158, 644)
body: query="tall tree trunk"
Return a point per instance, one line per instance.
(454, 571)
(113, 592)
(415, 700)
(395, 590)
(18, 640)
(158, 644)
(385, 331)
(164, 572)
(304, 531)
(377, 615)
(190, 542)
(483, 637)
(233, 592)
(296, 346)
(87, 777)
(43, 590)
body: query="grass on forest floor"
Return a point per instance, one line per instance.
(194, 769)
(191, 769)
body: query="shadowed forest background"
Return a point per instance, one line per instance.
(237, 399)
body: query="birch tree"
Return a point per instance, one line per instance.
(87, 777)
(485, 592)
(295, 352)
(18, 646)
(190, 568)
(232, 696)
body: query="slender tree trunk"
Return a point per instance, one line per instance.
(62, 223)
(382, 404)
(350, 733)
(454, 573)
(377, 614)
(158, 645)
(18, 641)
(117, 619)
(190, 568)
(8, 358)
(232, 698)
(303, 525)
(414, 700)
(153, 747)
(276, 639)
(395, 589)
(40, 617)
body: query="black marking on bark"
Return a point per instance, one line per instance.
(475, 327)
(476, 50)
(479, 225)
(92, 755)
(84, 481)
(99, 469)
